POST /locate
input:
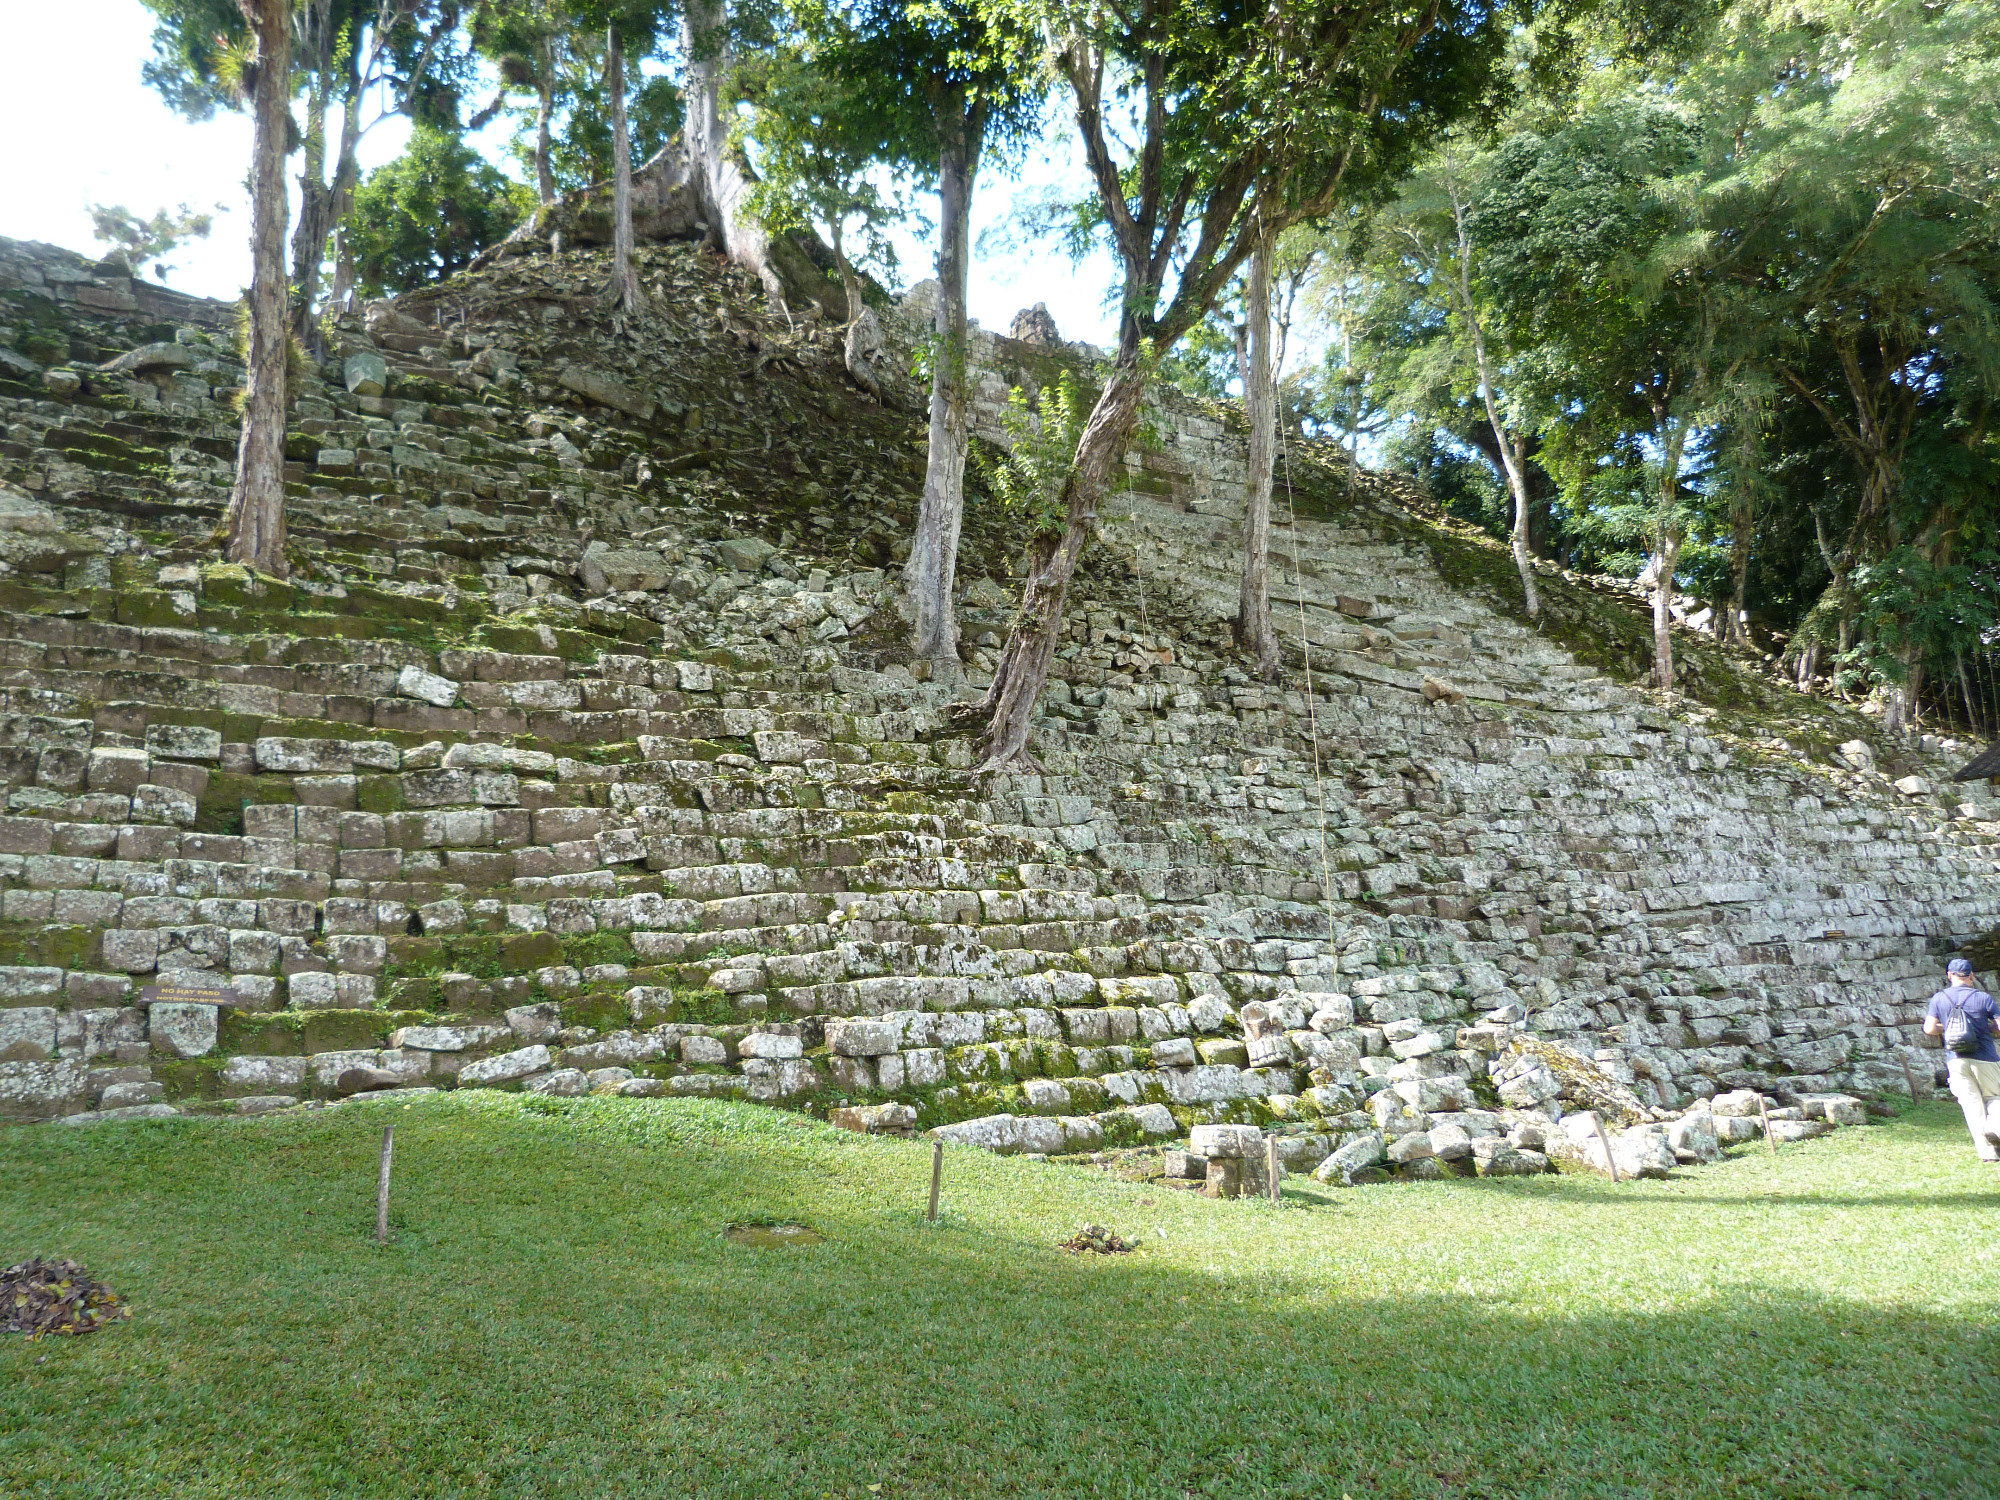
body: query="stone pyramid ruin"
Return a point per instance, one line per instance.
(582, 753)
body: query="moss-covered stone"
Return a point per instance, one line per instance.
(379, 794)
(345, 1030)
(522, 951)
(259, 1035)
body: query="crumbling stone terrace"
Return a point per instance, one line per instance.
(580, 753)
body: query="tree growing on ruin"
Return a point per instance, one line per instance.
(936, 86)
(1202, 132)
(968, 81)
(255, 522)
(832, 152)
(367, 60)
(527, 43)
(1426, 233)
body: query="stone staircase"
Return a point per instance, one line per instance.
(578, 756)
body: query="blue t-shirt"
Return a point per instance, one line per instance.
(1979, 1009)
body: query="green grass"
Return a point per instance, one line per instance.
(559, 1315)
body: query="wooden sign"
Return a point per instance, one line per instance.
(170, 993)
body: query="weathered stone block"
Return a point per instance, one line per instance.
(426, 687)
(856, 1038)
(506, 1067)
(27, 1033)
(184, 1030)
(304, 757)
(183, 742)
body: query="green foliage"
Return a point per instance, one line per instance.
(426, 214)
(197, 55)
(1027, 477)
(1735, 268)
(831, 151)
(137, 241)
(582, 148)
(1206, 362)
(1464, 487)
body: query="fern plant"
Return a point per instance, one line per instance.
(1027, 479)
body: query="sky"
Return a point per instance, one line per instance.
(82, 127)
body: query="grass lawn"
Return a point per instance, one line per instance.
(559, 1315)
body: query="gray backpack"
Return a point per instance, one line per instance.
(1961, 1033)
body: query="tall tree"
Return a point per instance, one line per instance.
(525, 40)
(713, 166)
(372, 59)
(368, 59)
(627, 26)
(1253, 610)
(1596, 255)
(255, 521)
(1245, 123)
(1856, 149)
(833, 151)
(1427, 232)
(624, 290)
(971, 77)
(1280, 269)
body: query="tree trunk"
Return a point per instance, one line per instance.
(716, 170)
(255, 522)
(343, 271)
(624, 288)
(864, 334)
(1742, 523)
(1253, 609)
(309, 239)
(931, 573)
(1517, 482)
(545, 108)
(321, 210)
(1672, 439)
(1511, 464)
(1052, 559)
(1667, 558)
(698, 184)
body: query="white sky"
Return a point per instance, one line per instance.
(81, 127)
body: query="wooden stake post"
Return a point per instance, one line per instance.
(382, 1185)
(1605, 1141)
(1274, 1170)
(937, 1180)
(1764, 1110)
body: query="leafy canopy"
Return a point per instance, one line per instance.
(429, 212)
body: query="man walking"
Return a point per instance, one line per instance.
(1966, 1017)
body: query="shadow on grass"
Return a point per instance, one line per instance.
(1604, 1192)
(567, 1320)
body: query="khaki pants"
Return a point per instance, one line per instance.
(1976, 1086)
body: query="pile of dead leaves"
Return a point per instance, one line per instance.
(1096, 1239)
(56, 1296)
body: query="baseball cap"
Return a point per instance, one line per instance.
(1959, 966)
